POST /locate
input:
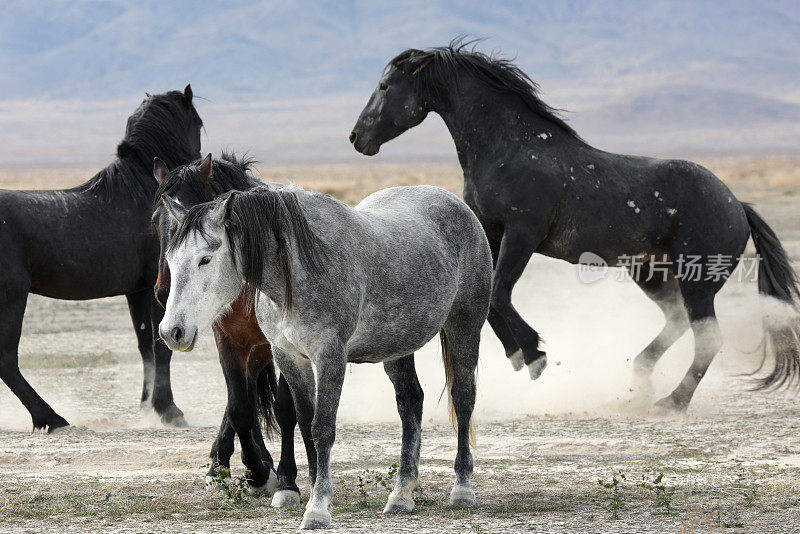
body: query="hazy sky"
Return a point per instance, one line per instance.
(286, 80)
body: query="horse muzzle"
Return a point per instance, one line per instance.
(363, 144)
(177, 338)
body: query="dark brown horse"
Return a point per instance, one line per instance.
(244, 353)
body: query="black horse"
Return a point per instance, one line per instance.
(254, 397)
(536, 186)
(94, 241)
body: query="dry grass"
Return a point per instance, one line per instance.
(351, 183)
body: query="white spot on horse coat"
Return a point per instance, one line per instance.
(142, 326)
(656, 193)
(671, 211)
(544, 135)
(632, 204)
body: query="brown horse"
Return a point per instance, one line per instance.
(244, 353)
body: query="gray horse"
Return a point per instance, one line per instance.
(335, 284)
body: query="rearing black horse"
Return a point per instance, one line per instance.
(94, 241)
(536, 186)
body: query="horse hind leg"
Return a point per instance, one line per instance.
(667, 295)
(409, 397)
(460, 346)
(699, 299)
(13, 299)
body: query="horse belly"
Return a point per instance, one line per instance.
(393, 328)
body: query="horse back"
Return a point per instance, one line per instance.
(73, 245)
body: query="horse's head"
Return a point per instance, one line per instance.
(204, 279)
(396, 105)
(166, 125)
(190, 185)
(178, 184)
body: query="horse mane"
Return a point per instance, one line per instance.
(230, 172)
(254, 217)
(161, 127)
(438, 68)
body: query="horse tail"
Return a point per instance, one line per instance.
(267, 387)
(776, 279)
(447, 359)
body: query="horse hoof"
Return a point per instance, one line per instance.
(173, 419)
(56, 423)
(399, 505)
(462, 496)
(267, 488)
(536, 367)
(314, 519)
(286, 499)
(668, 406)
(213, 483)
(517, 360)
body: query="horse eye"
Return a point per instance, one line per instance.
(382, 86)
(204, 261)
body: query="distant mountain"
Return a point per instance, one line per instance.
(287, 79)
(691, 118)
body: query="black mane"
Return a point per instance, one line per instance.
(438, 68)
(161, 126)
(255, 218)
(230, 172)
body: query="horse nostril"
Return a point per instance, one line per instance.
(353, 136)
(177, 333)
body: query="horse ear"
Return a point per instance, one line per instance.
(205, 171)
(160, 170)
(175, 210)
(422, 64)
(187, 93)
(222, 211)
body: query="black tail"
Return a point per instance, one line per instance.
(267, 385)
(776, 279)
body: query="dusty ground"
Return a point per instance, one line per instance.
(732, 464)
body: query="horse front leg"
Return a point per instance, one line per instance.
(242, 416)
(162, 400)
(221, 452)
(287, 492)
(316, 398)
(496, 321)
(330, 362)
(139, 309)
(516, 248)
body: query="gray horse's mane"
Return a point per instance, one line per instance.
(252, 220)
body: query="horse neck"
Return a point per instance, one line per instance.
(487, 125)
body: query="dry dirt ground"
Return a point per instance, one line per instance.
(732, 464)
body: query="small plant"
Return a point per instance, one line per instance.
(748, 489)
(365, 481)
(234, 490)
(373, 478)
(662, 493)
(615, 501)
